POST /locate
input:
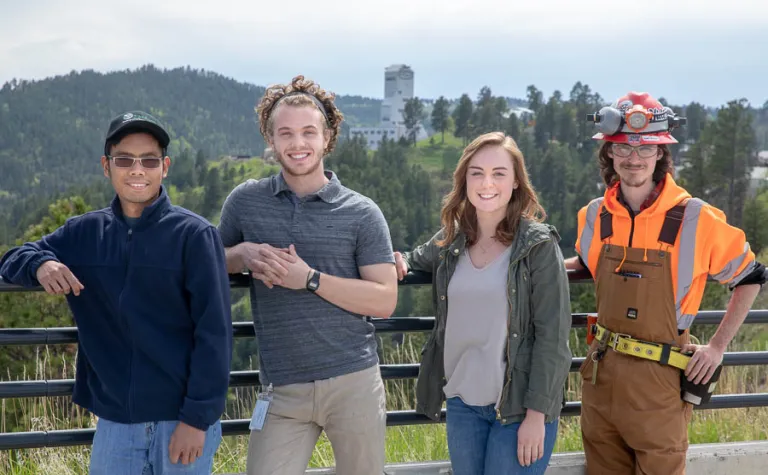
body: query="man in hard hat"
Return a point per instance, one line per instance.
(650, 248)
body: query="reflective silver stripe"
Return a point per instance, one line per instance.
(747, 270)
(730, 269)
(653, 128)
(685, 321)
(588, 232)
(686, 256)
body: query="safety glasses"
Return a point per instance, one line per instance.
(643, 151)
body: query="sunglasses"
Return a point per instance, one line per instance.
(127, 162)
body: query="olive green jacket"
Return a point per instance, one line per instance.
(538, 357)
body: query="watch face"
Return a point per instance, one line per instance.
(314, 282)
(406, 74)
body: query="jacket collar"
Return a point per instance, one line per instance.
(671, 195)
(150, 214)
(527, 236)
(458, 244)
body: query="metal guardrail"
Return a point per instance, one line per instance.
(237, 379)
(68, 335)
(58, 388)
(243, 281)
(61, 438)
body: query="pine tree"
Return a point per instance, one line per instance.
(462, 116)
(213, 192)
(412, 116)
(512, 126)
(732, 142)
(440, 116)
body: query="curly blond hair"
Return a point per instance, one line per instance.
(273, 94)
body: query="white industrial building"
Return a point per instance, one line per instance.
(398, 89)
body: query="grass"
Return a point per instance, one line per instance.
(438, 159)
(450, 141)
(403, 444)
(432, 163)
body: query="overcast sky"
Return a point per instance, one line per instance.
(708, 51)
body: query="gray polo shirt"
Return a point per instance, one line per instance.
(301, 336)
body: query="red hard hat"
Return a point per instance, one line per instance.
(637, 119)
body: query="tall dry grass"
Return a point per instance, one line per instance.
(404, 444)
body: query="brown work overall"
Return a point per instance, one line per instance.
(633, 420)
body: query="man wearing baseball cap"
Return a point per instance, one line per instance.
(147, 284)
(651, 247)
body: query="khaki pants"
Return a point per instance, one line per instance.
(350, 408)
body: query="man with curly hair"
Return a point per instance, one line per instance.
(321, 260)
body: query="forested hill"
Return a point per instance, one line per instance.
(52, 131)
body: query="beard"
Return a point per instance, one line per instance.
(288, 167)
(633, 180)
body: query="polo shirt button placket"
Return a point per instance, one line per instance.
(297, 208)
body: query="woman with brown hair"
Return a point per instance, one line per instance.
(499, 350)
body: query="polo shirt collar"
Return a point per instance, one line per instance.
(329, 193)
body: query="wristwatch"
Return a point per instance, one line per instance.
(313, 280)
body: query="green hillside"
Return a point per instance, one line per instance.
(52, 130)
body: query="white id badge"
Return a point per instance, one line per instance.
(260, 411)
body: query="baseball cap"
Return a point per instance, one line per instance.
(136, 121)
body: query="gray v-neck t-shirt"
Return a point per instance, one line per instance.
(476, 330)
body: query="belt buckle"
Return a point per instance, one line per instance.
(614, 340)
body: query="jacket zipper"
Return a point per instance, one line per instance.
(509, 332)
(125, 281)
(632, 226)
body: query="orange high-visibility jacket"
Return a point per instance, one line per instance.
(706, 244)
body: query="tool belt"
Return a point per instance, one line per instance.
(662, 353)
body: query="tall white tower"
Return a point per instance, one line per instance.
(398, 88)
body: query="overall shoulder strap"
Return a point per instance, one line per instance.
(672, 222)
(606, 224)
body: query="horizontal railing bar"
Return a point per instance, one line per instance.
(63, 387)
(62, 438)
(68, 335)
(704, 317)
(243, 281)
(36, 388)
(736, 358)
(38, 336)
(714, 317)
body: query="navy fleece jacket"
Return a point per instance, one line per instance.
(154, 319)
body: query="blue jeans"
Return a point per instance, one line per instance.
(480, 445)
(142, 449)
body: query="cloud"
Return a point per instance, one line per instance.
(688, 50)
